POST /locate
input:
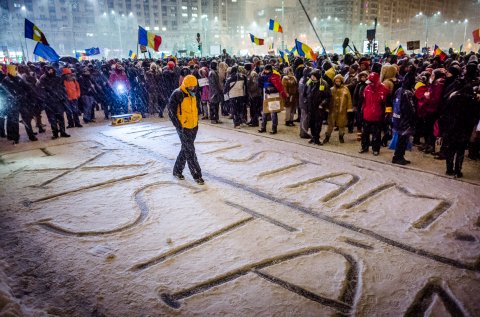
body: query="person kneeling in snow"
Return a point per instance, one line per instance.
(183, 111)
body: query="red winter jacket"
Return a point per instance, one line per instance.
(375, 96)
(434, 97)
(421, 100)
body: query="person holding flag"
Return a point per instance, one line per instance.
(271, 82)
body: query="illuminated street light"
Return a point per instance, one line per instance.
(113, 12)
(24, 8)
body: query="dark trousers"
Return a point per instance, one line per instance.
(316, 121)
(27, 118)
(374, 129)
(56, 119)
(73, 113)
(13, 124)
(225, 105)
(455, 151)
(401, 147)
(2, 126)
(88, 112)
(256, 104)
(237, 107)
(351, 121)
(187, 153)
(214, 111)
(428, 129)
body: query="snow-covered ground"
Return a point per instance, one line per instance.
(96, 225)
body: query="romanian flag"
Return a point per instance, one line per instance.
(400, 51)
(256, 40)
(284, 57)
(476, 36)
(34, 33)
(132, 55)
(438, 52)
(275, 26)
(81, 56)
(149, 39)
(305, 50)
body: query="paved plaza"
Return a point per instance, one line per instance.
(96, 225)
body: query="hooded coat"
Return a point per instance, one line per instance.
(375, 96)
(461, 114)
(215, 89)
(182, 106)
(71, 84)
(55, 94)
(317, 96)
(340, 104)
(404, 108)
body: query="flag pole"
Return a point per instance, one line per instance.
(318, 37)
(283, 23)
(26, 49)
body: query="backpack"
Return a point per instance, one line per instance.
(397, 101)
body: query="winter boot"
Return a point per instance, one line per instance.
(327, 138)
(340, 137)
(274, 130)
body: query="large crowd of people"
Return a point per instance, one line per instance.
(382, 98)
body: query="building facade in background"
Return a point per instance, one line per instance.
(112, 24)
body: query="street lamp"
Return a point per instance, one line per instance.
(427, 18)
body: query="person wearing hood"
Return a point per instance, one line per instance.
(357, 100)
(236, 89)
(373, 109)
(183, 111)
(55, 99)
(31, 78)
(87, 89)
(204, 92)
(18, 103)
(222, 76)
(215, 92)
(120, 84)
(340, 105)
(403, 118)
(153, 82)
(169, 80)
(254, 95)
(430, 109)
(271, 82)
(458, 120)
(317, 95)
(72, 88)
(303, 104)
(290, 84)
